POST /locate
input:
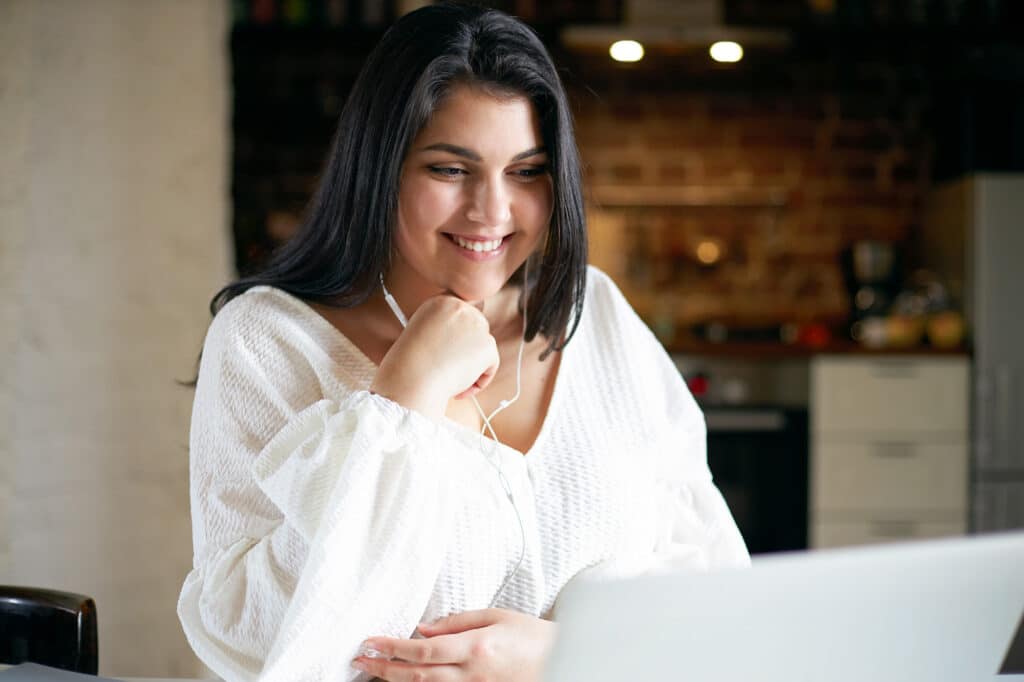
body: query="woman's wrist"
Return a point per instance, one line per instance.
(409, 395)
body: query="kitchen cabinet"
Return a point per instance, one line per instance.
(889, 448)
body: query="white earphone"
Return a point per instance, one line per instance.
(496, 463)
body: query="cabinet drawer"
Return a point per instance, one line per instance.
(889, 394)
(828, 533)
(889, 475)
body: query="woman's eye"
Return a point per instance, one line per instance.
(447, 171)
(530, 173)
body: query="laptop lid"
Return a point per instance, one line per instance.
(935, 610)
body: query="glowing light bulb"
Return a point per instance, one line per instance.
(626, 51)
(708, 252)
(726, 51)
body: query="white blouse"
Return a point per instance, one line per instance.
(323, 514)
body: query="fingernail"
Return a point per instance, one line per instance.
(369, 651)
(360, 665)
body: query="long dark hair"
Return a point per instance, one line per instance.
(346, 237)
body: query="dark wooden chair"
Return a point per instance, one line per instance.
(51, 628)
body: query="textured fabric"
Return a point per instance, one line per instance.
(324, 514)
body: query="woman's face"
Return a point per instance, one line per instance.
(475, 196)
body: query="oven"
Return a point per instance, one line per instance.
(758, 457)
(757, 424)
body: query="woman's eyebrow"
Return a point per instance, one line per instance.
(473, 156)
(528, 153)
(453, 149)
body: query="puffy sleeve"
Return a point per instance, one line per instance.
(316, 522)
(694, 528)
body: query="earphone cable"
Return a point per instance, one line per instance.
(491, 457)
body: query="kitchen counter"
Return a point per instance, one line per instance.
(784, 350)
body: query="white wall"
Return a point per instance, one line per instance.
(114, 141)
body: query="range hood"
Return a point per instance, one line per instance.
(672, 24)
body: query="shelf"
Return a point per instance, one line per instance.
(623, 196)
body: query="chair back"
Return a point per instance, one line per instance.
(48, 627)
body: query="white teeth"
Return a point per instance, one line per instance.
(479, 247)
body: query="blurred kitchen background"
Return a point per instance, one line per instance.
(815, 231)
(820, 218)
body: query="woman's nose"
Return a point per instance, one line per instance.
(490, 204)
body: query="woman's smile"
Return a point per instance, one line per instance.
(479, 248)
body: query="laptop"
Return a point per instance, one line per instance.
(930, 610)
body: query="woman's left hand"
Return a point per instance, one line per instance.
(492, 644)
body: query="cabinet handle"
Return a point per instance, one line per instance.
(894, 450)
(893, 529)
(772, 421)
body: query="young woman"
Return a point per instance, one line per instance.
(428, 414)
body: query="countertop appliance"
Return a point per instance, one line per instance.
(872, 275)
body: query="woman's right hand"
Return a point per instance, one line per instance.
(445, 352)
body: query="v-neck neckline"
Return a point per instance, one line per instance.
(462, 432)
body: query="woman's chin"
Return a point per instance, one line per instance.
(475, 296)
(475, 292)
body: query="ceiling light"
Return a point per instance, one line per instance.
(675, 26)
(726, 51)
(626, 51)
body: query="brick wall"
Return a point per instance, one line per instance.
(850, 161)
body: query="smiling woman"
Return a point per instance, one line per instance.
(398, 462)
